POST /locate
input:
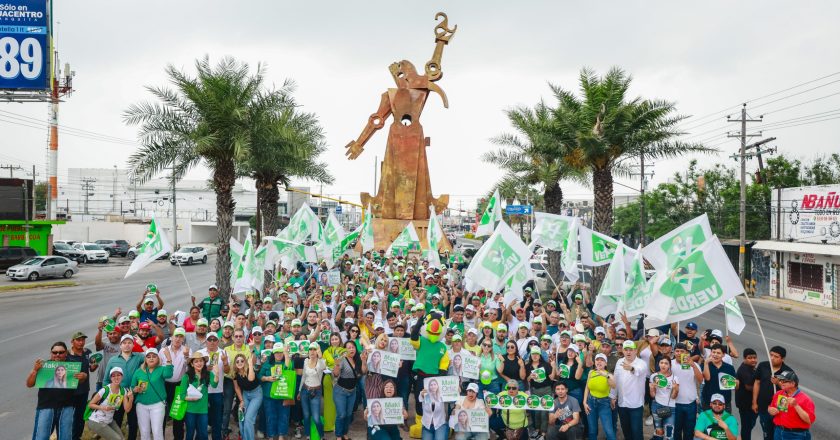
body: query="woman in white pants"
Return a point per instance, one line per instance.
(150, 389)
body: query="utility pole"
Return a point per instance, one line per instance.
(642, 199)
(26, 211)
(114, 192)
(742, 237)
(62, 85)
(11, 169)
(758, 152)
(174, 212)
(87, 187)
(34, 194)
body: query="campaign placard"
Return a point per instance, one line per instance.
(299, 347)
(406, 350)
(530, 402)
(726, 381)
(442, 388)
(471, 366)
(55, 374)
(384, 363)
(469, 420)
(385, 412)
(333, 277)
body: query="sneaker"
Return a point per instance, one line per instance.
(298, 432)
(649, 421)
(260, 434)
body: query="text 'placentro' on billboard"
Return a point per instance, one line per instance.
(24, 45)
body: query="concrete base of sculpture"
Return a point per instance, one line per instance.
(386, 230)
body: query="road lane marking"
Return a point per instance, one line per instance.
(788, 344)
(821, 396)
(28, 333)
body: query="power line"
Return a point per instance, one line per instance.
(63, 127)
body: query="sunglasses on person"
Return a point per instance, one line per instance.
(240, 361)
(717, 403)
(59, 352)
(486, 345)
(513, 388)
(511, 347)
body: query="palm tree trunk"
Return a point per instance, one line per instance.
(602, 181)
(553, 199)
(268, 194)
(224, 178)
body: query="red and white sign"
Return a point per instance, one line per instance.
(808, 214)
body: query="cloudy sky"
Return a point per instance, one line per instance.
(708, 57)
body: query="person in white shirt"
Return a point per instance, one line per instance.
(630, 374)
(215, 395)
(179, 353)
(689, 374)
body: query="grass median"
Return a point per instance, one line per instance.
(37, 285)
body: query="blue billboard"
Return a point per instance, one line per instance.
(24, 44)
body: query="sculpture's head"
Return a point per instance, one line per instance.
(434, 325)
(406, 76)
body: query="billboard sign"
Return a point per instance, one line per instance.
(24, 45)
(809, 214)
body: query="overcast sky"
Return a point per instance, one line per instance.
(705, 56)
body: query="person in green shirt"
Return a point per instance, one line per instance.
(198, 378)
(716, 423)
(148, 385)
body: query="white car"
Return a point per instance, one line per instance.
(92, 253)
(189, 255)
(36, 268)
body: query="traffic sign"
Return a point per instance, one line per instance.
(337, 209)
(518, 209)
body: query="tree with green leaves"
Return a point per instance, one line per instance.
(534, 156)
(285, 144)
(203, 119)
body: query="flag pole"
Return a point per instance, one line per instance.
(185, 278)
(761, 331)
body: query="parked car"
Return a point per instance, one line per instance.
(541, 284)
(67, 242)
(65, 250)
(132, 254)
(92, 253)
(114, 247)
(189, 255)
(12, 255)
(43, 267)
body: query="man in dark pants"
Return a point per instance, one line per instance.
(743, 395)
(78, 353)
(766, 385)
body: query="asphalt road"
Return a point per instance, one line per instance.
(813, 351)
(32, 320)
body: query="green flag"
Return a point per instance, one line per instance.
(153, 247)
(734, 318)
(405, 242)
(302, 226)
(638, 292)
(366, 231)
(434, 235)
(668, 250)
(501, 258)
(249, 275)
(492, 214)
(330, 249)
(235, 253)
(613, 286)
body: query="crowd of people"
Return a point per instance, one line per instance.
(220, 370)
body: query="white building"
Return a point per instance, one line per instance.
(802, 260)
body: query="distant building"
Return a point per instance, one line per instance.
(801, 262)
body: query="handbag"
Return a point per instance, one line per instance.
(284, 387)
(179, 406)
(665, 411)
(512, 433)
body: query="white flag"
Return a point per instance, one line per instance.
(499, 259)
(551, 230)
(638, 290)
(434, 235)
(734, 319)
(612, 289)
(235, 252)
(405, 242)
(667, 250)
(153, 247)
(597, 249)
(249, 275)
(330, 249)
(492, 214)
(288, 252)
(302, 226)
(366, 231)
(696, 284)
(569, 257)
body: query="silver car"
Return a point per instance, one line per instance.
(43, 267)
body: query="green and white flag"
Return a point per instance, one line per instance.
(288, 252)
(235, 253)
(696, 284)
(551, 231)
(492, 214)
(405, 242)
(668, 250)
(153, 247)
(366, 231)
(638, 291)
(302, 226)
(569, 257)
(249, 275)
(500, 260)
(597, 249)
(330, 249)
(434, 235)
(734, 318)
(612, 289)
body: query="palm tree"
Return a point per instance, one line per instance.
(206, 119)
(608, 130)
(285, 144)
(535, 156)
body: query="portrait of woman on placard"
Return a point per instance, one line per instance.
(434, 391)
(376, 417)
(463, 422)
(457, 365)
(59, 379)
(375, 362)
(394, 346)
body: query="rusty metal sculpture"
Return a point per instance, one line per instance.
(405, 190)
